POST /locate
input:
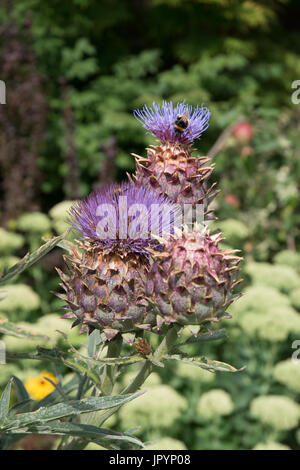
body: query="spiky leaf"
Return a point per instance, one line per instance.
(71, 408)
(29, 259)
(204, 363)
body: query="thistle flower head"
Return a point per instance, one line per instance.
(160, 121)
(123, 218)
(192, 280)
(104, 286)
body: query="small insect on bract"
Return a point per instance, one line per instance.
(181, 123)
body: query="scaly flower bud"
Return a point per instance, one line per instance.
(192, 279)
(170, 167)
(107, 270)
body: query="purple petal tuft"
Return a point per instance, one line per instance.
(151, 217)
(160, 121)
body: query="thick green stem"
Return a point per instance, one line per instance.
(145, 369)
(167, 343)
(144, 372)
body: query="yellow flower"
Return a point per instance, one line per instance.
(38, 387)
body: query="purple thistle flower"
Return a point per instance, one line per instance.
(123, 218)
(160, 121)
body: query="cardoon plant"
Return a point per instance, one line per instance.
(137, 274)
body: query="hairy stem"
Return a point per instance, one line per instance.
(145, 370)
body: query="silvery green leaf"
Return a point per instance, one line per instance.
(71, 408)
(88, 360)
(49, 399)
(4, 401)
(83, 368)
(85, 431)
(22, 394)
(22, 407)
(204, 363)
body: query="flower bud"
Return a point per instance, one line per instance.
(192, 279)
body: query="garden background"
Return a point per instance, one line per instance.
(74, 72)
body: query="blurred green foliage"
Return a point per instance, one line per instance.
(116, 55)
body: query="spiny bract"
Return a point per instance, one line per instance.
(104, 286)
(192, 280)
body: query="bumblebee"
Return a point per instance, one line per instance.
(181, 123)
